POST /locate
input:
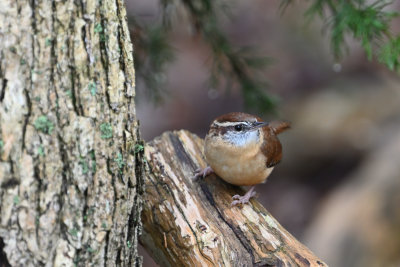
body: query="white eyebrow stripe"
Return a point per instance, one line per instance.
(228, 123)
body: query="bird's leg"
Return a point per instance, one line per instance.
(203, 172)
(243, 199)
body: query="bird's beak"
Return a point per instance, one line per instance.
(260, 124)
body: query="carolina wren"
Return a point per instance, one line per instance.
(242, 150)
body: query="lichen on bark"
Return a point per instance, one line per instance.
(68, 195)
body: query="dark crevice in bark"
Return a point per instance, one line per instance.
(77, 259)
(122, 64)
(106, 249)
(85, 35)
(33, 46)
(3, 257)
(33, 24)
(73, 93)
(108, 237)
(26, 91)
(36, 175)
(1, 199)
(64, 188)
(10, 183)
(12, 171)
(4, 80)
(13, 181)
(74, 88)
(118, 258)
(53, 57)
(122, 58)
(181, 151)
(3, 87)
(104, 56)
(19, 7)
(65, 166)
(134, 220)
(27, 116)
(85, 208)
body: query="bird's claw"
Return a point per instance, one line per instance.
(241, 200)
(201, 173)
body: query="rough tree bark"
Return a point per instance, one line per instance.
(191, 223)
(68, 192)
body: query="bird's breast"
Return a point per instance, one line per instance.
(238, 166)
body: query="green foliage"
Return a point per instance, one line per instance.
(367, 22)
(1, 145)
(106, 130)
(241, 67)
(44, 125)
(389, 54)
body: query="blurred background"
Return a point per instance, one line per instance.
(337, 187)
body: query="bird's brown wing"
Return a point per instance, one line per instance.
(271, 148)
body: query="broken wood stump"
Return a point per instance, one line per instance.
(189, 222)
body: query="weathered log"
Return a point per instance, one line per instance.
(190, 222)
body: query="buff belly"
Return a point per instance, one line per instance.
(238, 166)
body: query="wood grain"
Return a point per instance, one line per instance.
(190, 222)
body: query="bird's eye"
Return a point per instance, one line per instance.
(238, 127)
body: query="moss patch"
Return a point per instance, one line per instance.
(43, 124)
(106, 130)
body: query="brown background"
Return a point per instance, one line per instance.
(336, 188)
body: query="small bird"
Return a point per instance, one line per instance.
(242, 150)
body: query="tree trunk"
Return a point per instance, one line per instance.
(191, 223)
(70, 180)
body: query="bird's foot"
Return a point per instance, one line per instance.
(241, 200)
(201, 173)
